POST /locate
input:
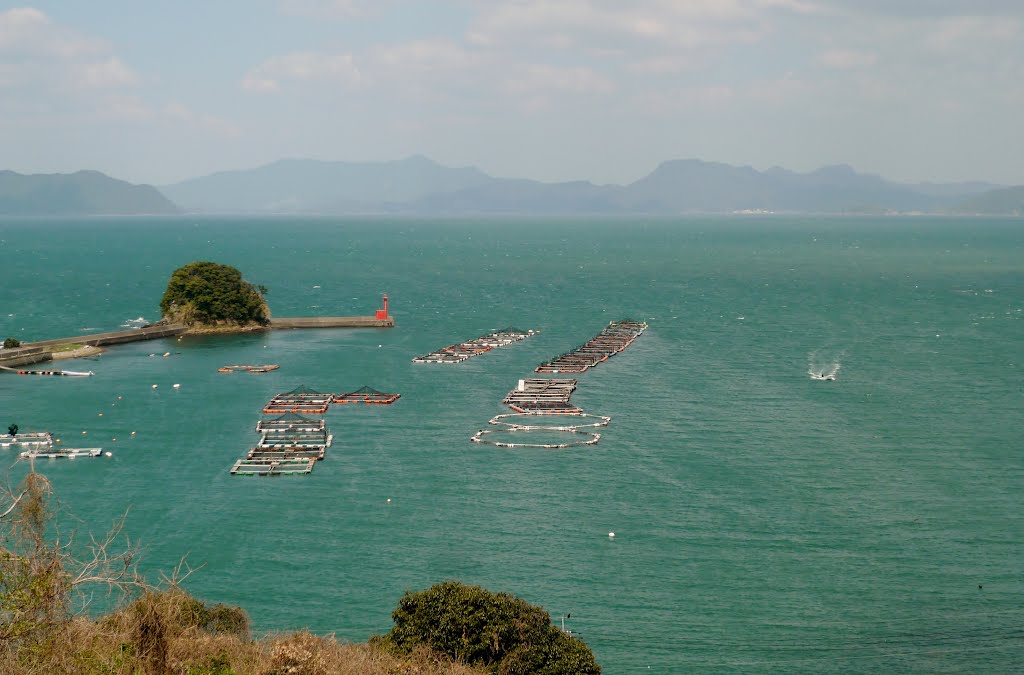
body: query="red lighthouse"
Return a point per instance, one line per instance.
(382, 314)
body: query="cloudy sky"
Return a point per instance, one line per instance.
(601, 90)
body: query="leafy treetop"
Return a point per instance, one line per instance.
(498, 631)
(207, 292)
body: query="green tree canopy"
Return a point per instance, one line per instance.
(207, 293)
(496, 630)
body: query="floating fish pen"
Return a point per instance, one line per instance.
(367, 395)
(543, 397)
(289, 422)
(27, 440)
(541, 390)
(528, 422)
(61, 453)
(512, 438)
(299, 400)
(273, 467)
(249, 369)
(286, 454)
(615, 337)
(462, 351)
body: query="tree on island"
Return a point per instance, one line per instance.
(207, 293)
(11, 343)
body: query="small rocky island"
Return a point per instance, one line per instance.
(208, 297)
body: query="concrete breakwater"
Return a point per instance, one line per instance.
(36, 352)
(333, 322)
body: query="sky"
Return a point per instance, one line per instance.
(599, 90)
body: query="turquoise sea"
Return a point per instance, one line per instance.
(764, 521)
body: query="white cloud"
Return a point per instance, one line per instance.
(28, 33)
(302, 67)
(847, 58)
(38, 54)
(567, 24)
(329, 9)
(103, 74)
(537, 78)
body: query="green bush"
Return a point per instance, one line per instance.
(496, 630)
(11, 343)
(207, 293)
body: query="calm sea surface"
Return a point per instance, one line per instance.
(764, 521)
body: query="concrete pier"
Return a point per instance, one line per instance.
(333, 322)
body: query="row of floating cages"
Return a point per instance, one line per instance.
(305, 400)
(462, 351)
(615, 337)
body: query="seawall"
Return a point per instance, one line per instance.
(23, 356)
(333, 322)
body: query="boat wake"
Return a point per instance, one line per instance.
(822, 367)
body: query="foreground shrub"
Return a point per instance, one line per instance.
(504, 633)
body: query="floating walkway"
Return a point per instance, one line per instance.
(615, 337)
(366, 395)
(463, 351)
(249, 369)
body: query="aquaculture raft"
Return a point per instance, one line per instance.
(299, 400)
(273, 467)
(27, 440)
(615, 337)
(250, 369)
(540, 396)
(367, 395)
(59, 453)
(462, 351)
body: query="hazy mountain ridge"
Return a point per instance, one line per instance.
(418, 185)
(1003, 202)
(76, 194)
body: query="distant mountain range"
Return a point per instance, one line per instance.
(420, 186)
(77, 194)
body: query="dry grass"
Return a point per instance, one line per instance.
(171, 632)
